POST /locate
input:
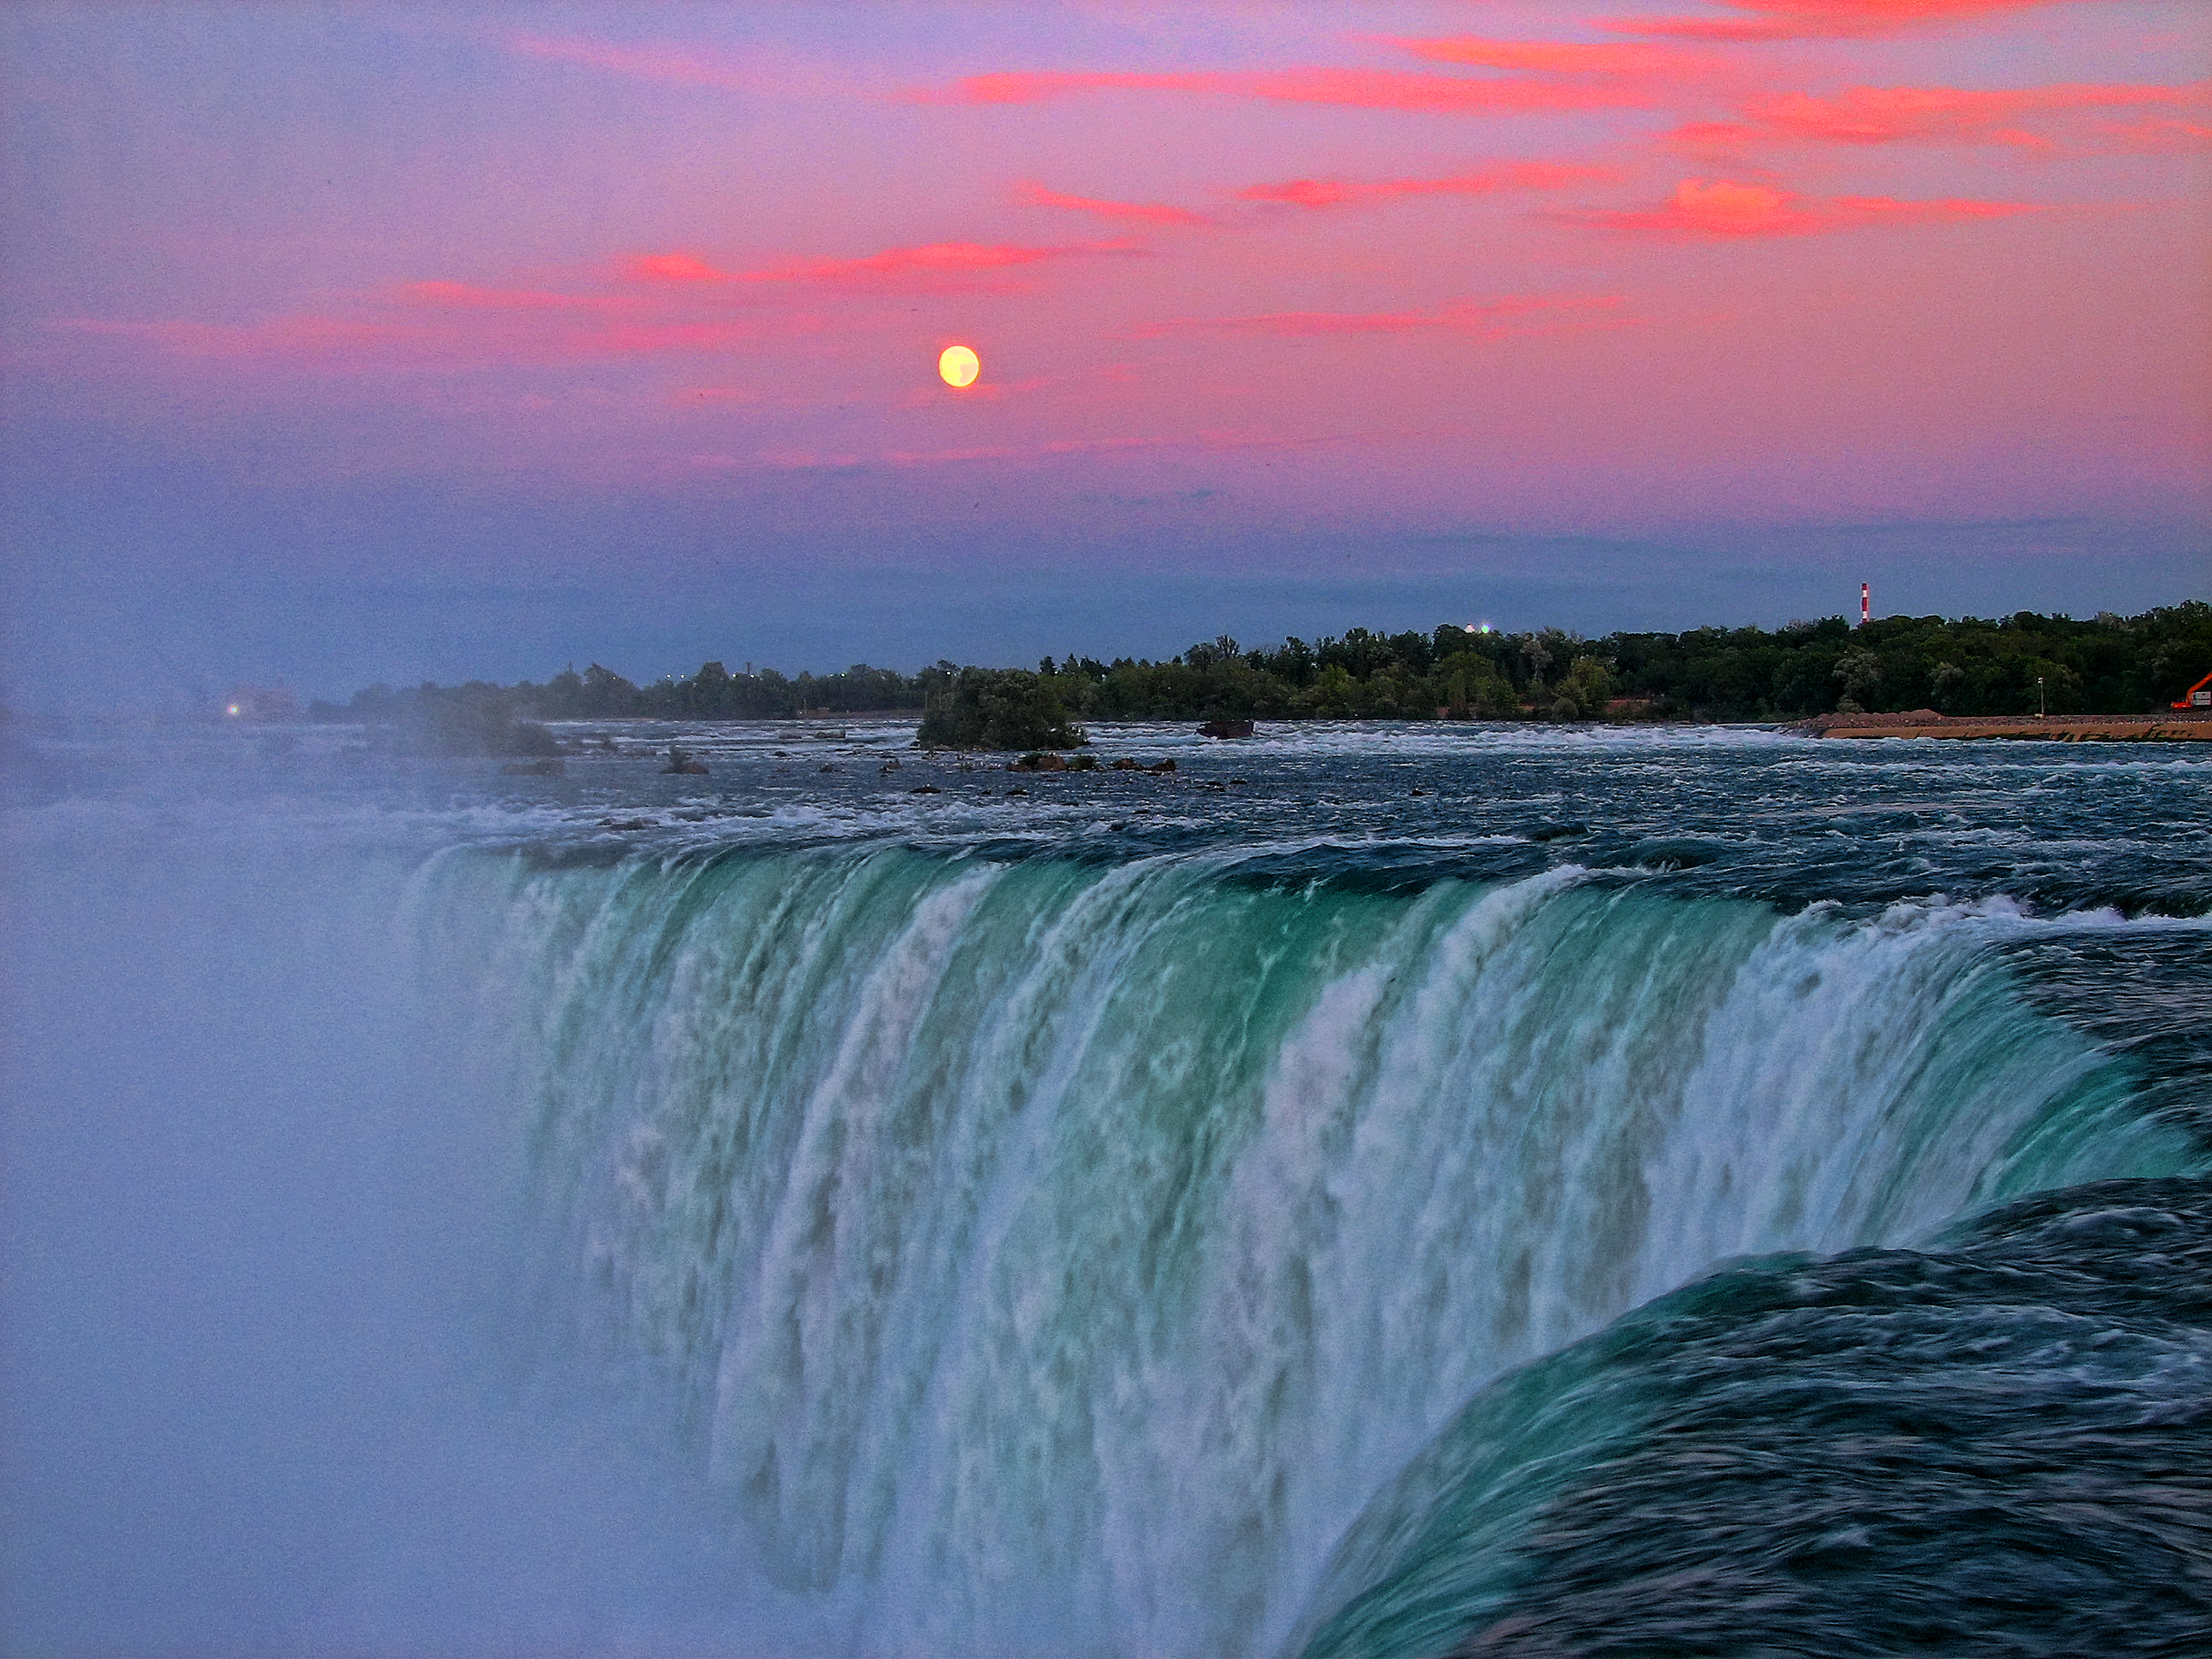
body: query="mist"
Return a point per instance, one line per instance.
(266, 1388)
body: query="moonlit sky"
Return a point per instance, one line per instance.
(373, 342)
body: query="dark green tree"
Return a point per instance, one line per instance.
(996, 708)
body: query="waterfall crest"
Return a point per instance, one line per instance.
(1058, 1255)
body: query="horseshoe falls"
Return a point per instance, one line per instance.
(1378, 1190)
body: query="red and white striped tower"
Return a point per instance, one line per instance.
(1866, 603)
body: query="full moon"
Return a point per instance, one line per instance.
(959, 365)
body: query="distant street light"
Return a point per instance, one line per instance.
(2042, 710)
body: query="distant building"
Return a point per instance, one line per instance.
(260, 704)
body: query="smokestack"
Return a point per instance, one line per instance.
(1866, 603)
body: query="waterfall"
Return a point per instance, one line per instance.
(1056, 1255)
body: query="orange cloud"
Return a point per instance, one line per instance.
(1357, 88)
(1556, 57)
(1817, 20)
(1722, 209)
(1322, 193)
(1843, 212)
(1022, 86)
(676, 268)
(1488, 318)
(2156, 133)
(445, 324)
(933, 267)
(1140, 213)
(1881, 115)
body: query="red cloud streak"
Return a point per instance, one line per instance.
(1817, 20)
(1882, 115)
(1558, 57)
(1358, 88)
(1138, 213)
(1488, 318)
(1723, 210)
(2155, 134)
(936, 266)
(1322, 193)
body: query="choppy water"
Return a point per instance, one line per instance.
(1399, 1189)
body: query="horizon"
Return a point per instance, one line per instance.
(399, 344)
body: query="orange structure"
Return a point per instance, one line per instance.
(2198, 695)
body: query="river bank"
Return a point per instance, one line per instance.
(2188, 726)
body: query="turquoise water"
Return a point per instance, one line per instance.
(1242, 1211)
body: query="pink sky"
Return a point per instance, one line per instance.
(1382, 273)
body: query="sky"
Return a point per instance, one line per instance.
(357, 342)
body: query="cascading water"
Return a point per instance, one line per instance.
(1338, 1212)
(1060, 1252)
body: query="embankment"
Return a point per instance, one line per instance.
(2191, 725)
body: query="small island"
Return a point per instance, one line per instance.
(996, 708)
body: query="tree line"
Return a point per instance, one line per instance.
(2107, 665)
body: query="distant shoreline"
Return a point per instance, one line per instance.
(2179, 726)
(1979, 669)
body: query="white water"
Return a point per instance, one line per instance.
(1054, 1258)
